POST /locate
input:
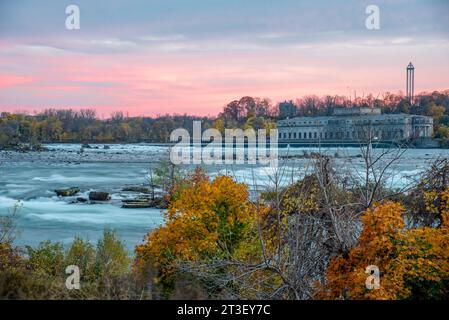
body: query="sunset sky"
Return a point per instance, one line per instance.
(194, 56)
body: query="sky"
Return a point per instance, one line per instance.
(150, 57)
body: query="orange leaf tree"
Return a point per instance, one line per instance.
(413, 262)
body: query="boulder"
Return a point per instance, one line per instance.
(136, 205)
(81, 199)
(106, 147)
(143, 200)
(67, 192)
(159, 203)
(140, 189)
(99, 196)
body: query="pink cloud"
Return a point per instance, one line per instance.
(13, 80)
(150, 83)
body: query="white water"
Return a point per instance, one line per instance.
(44, 216)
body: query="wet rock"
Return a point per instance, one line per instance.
(86, 146)
(136, 205)
(139, 200)
(99, 196)
(68, 192)
(78, 200)
(140, 189)
(106, 147)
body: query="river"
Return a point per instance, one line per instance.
(32, 179)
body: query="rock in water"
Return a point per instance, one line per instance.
(158, 203)
(136, 205)
(68, 192)
(140, 189)
(143, 200)
(99, 196)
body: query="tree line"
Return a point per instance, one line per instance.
(67, 125)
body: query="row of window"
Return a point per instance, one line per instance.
(341, 122)
(341, 135)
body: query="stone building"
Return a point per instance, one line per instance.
(355, 125)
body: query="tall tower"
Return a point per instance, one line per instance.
(410, 82)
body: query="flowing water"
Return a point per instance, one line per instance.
(42, 215)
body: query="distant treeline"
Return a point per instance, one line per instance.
(67, 125)
(82, 126)
(434, 104)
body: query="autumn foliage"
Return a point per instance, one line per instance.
(213, 220)
(206, 218)
(413, 262)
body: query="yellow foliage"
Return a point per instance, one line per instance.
(207, 218)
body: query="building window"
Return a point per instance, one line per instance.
(299, 135)
(315, 135)
(294, 135)
(310, 135)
